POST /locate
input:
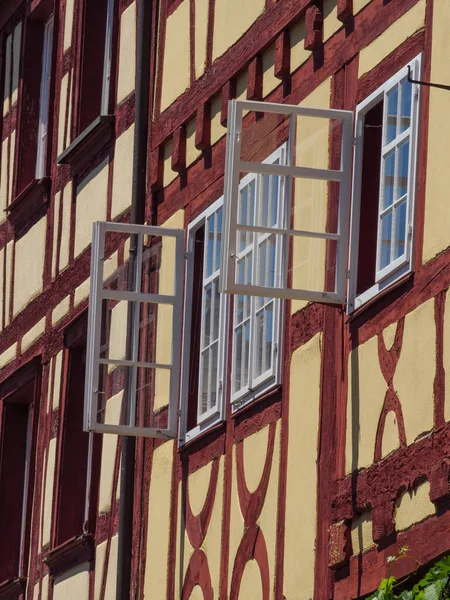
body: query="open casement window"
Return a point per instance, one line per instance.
(134, 331)
(253, 237)
(256, 319)
(205, 332)
(18, 410)
(384, 186)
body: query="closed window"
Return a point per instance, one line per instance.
(18, 408)
(384, 186)
(210, 316)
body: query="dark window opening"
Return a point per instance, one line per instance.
(196, 321)
(370, 191)
(92, 66)
(74, 450)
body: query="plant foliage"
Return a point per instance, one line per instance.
(435, 585)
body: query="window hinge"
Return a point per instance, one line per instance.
(354, 141)
(186, 255)
(410, 229)
(179, 412)
(275, 348)
(347, 274)
(220, 385)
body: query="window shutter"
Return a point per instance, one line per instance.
(292, 175)
(134, 329)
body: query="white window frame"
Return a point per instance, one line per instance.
(235, 166)
(389, 275)
(44, 99)
(217, 413)
(270, 378)
(106, 81)
(98, 294)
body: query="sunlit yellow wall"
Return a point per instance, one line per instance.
(158, 523)
(300, 532)
(396, 34)
(91, 195)
(437, 209)
(232, 18)
(413, 506)
(29, 265)
(175, 77)
(127, 55)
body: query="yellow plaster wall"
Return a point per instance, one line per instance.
(33, 334)
(90, 205)
(65, 232)
(16, 49)
(7, 83)
(270, 82)
(366, 391)
(201, 30)
(236, 520)
(359, 5)
(232, 18)
(389, 335)
(311, 197)
(330, 21)
(2, 279)
(391, 440)
(82, 292)
(192, 153)
(8, 276)
(127, 55)
(255, 449)
(109, 452)
(418, 356)
(57, 366)
(217, 129)
(437, 208)
(4, 180)
(413, 506)
(212, 544)
(62, 112)
(268, 518)
(361, 531)
(8, 355)
(168, 174)
(68, 24)
(57, 206)
(301, 483)
(297, 35)
(251, 583)
(196, 593)
(176, 71)
(165, 312)
(389, 40)
(118, 332)
(48, 498)
(198, 488)
(158, 520)
(29, 265)
(73, 585)
(61, 310)
(111, 566)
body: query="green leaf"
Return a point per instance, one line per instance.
(433, 591)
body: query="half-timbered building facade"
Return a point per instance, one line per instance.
(290, 349)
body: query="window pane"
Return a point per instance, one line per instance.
(386, 236)
(210, 245)
(264, 339)
(204, 369)
(266, 274)
(388, 188)
(391, 132)
(216, 314)
(403, 164)
(269, 209)
(241, 354)
(207, 315)
(218, 237)
(400, 229)
(405, 118)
